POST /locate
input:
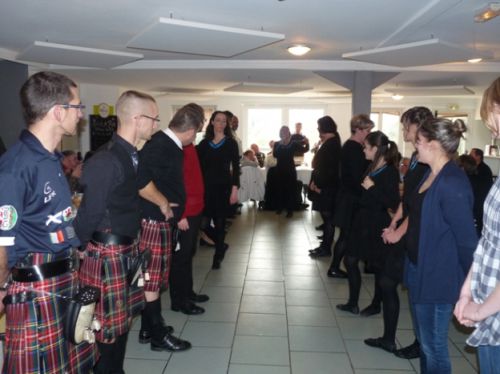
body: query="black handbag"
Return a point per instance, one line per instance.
(79, 322)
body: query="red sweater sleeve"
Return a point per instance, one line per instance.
(193, 183)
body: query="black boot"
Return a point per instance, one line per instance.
(147, 315)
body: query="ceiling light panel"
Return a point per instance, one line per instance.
(72, 55)
(427, 52)
(172, 35)
(432, 91)
(266, 88)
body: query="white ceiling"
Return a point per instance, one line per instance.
(330, 27)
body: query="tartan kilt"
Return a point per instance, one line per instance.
(34, 329)
(157, 236)
(105, 267)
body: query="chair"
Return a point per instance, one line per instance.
(252, 184)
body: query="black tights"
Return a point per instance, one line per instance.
(339, 249)
(220, 236)
(328, 230)
(354, 280)
(390, 301)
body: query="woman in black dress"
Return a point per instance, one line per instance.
(219, 161)
(286, 175)
(325, 181)
(353, 165)
(379, 197)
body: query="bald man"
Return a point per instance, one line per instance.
(108, 224)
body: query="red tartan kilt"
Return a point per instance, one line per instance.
(157, 237)
(35, 328)
(119, 302)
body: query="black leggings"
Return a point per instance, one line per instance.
(339, 249)
(328, 230)
(390, 302)
(354, 279)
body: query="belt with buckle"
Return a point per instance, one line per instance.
(43, 271)
(107, 238)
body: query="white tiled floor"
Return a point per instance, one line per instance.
(272, 311)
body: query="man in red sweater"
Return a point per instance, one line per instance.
(181, 272)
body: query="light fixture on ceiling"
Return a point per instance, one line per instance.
(474, 60)
(299, 49)
(397, 97)
(488, 13)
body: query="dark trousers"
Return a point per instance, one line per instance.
(328, 230)
(112, 356)
(181, 271)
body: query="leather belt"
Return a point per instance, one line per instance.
(43, 271)
(107, 238)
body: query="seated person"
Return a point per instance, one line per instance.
(72, 168)
(251, 179)
(258, 154)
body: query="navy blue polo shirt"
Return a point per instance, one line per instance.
(35, 201)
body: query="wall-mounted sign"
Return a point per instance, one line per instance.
(101, 130)
(103, 110)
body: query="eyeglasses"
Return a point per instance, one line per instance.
(155, 119)
(74, 106)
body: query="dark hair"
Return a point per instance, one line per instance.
(362, 122)
(209, 132)
(68, 152)
(467, 163)
(190, 116)
(479, 153)
(446, 132)
(416, 115)
(326, 125)
(41, 92)
(386, 149)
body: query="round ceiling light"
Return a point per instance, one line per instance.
(474, 60)
(299, 50)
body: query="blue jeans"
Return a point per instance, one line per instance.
(431, 323)
(489, 359)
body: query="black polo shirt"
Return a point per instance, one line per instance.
(35, 201)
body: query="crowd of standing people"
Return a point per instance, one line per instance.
(136, 229)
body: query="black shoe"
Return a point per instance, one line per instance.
(198, 298)
(188, 308)
(320, 237)
(145, 336)
(410, 352)
(354, 309)
(321, 253)
(320, 227)
(170, 343)
(370, 310)
(336, 273)
(204, 242)
(381, 343)
(315, 250)
(289, 214)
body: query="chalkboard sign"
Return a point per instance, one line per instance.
(101, 130)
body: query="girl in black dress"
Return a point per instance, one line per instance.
(286, 175)
(325, 181)
(379, 197)
(219, 161)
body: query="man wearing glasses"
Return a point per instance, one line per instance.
(37, 239)
(108, 224)
(161, 186)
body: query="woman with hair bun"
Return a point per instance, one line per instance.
(441, 238)
(380, 195)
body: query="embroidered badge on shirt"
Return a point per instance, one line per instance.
(8, 217)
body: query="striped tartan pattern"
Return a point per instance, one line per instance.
(119, 302)
(157, 236)
(34, 334)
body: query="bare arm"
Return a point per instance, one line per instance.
(152, 194)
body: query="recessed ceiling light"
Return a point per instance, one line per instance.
(475, 60)
(299, 50)
(397, 97)
(490, 12)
